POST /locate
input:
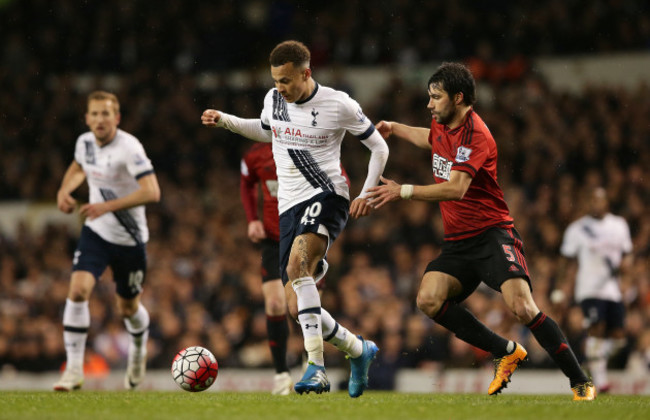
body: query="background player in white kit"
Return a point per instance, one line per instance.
(601, 243)
(121, 180)
(306, 123)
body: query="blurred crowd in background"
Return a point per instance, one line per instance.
(203, 284)
(96, 36)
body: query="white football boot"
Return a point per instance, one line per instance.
(282, 384)
(71, 380)
(135, 369)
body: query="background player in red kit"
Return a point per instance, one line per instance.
(481, 243)
(258, 168)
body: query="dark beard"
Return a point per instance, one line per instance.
(445, 120)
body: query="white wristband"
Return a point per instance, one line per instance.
(406, 192)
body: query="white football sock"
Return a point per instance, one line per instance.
(598, 370)
(596, 352)
(138, 327)
(339, 336)
(76, 321)
(309, 317)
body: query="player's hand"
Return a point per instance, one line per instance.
(210, 117)
(93, 211)
(256, 231)
(359, 208)
(65, 202)
(382, 194)
(385, 128)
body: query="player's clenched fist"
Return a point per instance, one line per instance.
(210, 117)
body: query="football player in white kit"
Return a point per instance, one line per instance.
(121, 180)
(601, 243)
(306, 123)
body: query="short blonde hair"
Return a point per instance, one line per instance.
(100, 95)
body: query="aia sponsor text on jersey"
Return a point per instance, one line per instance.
(293, 135)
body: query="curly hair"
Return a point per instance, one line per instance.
(290, 52)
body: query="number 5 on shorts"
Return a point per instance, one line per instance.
(510, 256)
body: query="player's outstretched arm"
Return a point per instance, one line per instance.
(417, 135)
(73, 177)
(250, 128)
(454, 189)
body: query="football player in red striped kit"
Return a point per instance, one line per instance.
(481, 243)
(258, 168)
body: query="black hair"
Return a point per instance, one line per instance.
(290, 52)
(455, 78)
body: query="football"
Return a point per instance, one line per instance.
(194, 369)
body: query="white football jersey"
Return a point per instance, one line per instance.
(113, 171)
(599, 245)
(307, 138)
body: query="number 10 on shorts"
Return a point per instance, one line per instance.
(135, 281)
(311, 212)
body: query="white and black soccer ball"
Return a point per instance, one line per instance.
(195, 369)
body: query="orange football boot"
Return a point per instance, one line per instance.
(585, 391)
(504, 367)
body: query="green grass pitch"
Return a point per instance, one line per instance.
(373, 405)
